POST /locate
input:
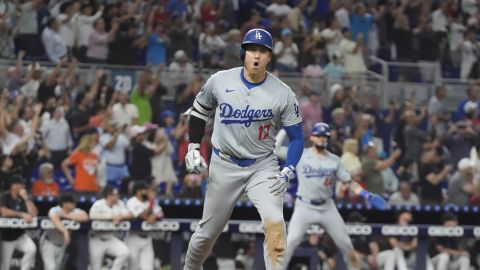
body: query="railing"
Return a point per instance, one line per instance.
(177, 226)
(382, 84)
(125, 77)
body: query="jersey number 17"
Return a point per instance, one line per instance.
(263, 131)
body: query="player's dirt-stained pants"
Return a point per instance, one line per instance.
(227, 182)
(325, 215)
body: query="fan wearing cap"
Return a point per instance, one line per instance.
(251, 105)
(472, 95)
(286, 52)
(141, 167)
(180, 68)
(461, 187)
(15, 203)
(317, 172)
(372, 167)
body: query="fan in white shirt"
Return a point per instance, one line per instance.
(114, 144)
(332, 37)
(279, 8)
(67, 20)
(124, 113)
(55, 46)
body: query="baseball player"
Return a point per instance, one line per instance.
(54, 242)
(110, 208)
(142, 206)
(317, 171)
(251, 106)
(15, 203)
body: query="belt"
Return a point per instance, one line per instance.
(115, 165)
(240, 162)
(142, 235)
(312, 202)
(48, 239)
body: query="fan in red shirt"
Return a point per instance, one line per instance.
(45, 185)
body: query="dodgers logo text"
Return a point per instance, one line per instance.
(244, 116)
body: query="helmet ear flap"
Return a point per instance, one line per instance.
(242, 54)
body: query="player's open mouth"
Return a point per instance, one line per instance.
(255, 64)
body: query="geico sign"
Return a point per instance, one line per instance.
(17, 223)
(98, 225)
(445, 231)
(194, 225)
(47, 224)
(476, 232)
(359, 229)
(250, 227)
(164, 225)
(400, 230)
(315, 229)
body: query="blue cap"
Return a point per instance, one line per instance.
(258, 36)
(165, 114)
(321, 129)
(286, 31)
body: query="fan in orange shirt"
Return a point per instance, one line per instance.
(85, 162)
(45, 185)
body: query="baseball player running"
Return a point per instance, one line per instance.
(142, 206)
(110, 208)
(317, 171)
(54, 242)
(251, 106)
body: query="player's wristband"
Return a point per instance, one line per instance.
(364, 194)
(193, 146)
(289, 171)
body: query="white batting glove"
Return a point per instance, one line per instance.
(194, 162)
(279, 187)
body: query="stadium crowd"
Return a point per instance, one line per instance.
(48, 116)
(61, 133)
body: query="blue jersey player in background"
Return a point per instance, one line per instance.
(317, 172)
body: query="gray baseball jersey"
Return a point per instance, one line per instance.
(317, 174)
(247, 121)
(316, 177)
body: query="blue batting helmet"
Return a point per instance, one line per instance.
(256, 36)
(321, 129)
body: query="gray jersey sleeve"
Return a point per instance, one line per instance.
(206, 97)
(291, 113)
